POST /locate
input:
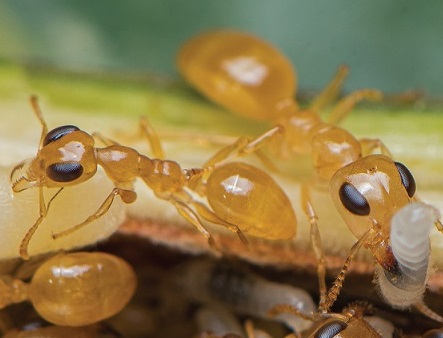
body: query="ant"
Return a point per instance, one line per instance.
(250, 77)
(74, 289)
(243, 198)
(220, 285)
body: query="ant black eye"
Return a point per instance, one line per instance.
(64, 172)
(353, 200)
(57, 133)
(330, 329)
(406, 178)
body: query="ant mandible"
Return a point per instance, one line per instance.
(250, 77)
(235, 191)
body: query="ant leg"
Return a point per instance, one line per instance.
(153, 139)
(243, 147)
(249, 328)
(188, 214)
(34, 103)
(333, 292)
(423, 309)
(226, 152)
(369, 145)
(345, 105)
(315, 240)
(105, 140)
(127, 196)
(210, 216)
(331, 91)
(43, 211)
(260, 141)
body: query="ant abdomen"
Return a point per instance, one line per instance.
(81, 288)
(249, 198)
(239, 71)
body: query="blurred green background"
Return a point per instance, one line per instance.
(390, 45)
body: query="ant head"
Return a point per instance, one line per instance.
(370, 191)
(66, 157)
(337, 327)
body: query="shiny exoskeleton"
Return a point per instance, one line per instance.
(243, 198)
(75, 289)
(250, 77)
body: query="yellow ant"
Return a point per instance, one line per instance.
(243, 198)
(74, 289)
(250, 77)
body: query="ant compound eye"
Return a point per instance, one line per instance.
(353, 200)
(406, 178)
(330, 329)
(57, 133)
(64, 172)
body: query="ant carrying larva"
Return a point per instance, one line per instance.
(250, 77)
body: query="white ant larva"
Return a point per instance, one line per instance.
(243, 292)
(404, 285)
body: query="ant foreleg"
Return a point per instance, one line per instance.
(227, 151)
(331, 91)
(127, 196)
(105, 140)
(345, 105)
(34, 103)
(153, 138)
(315, 240)
(370, 144)
(43, 211)
(333, 292)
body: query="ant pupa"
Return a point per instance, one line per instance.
(241, 291)
(218, 321)
(404, 284)
(243, 198)
(219, 284)
(250, 77)
(74, 289)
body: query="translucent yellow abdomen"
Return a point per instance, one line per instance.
(239, 71)
(249, 198)
(81, 288)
